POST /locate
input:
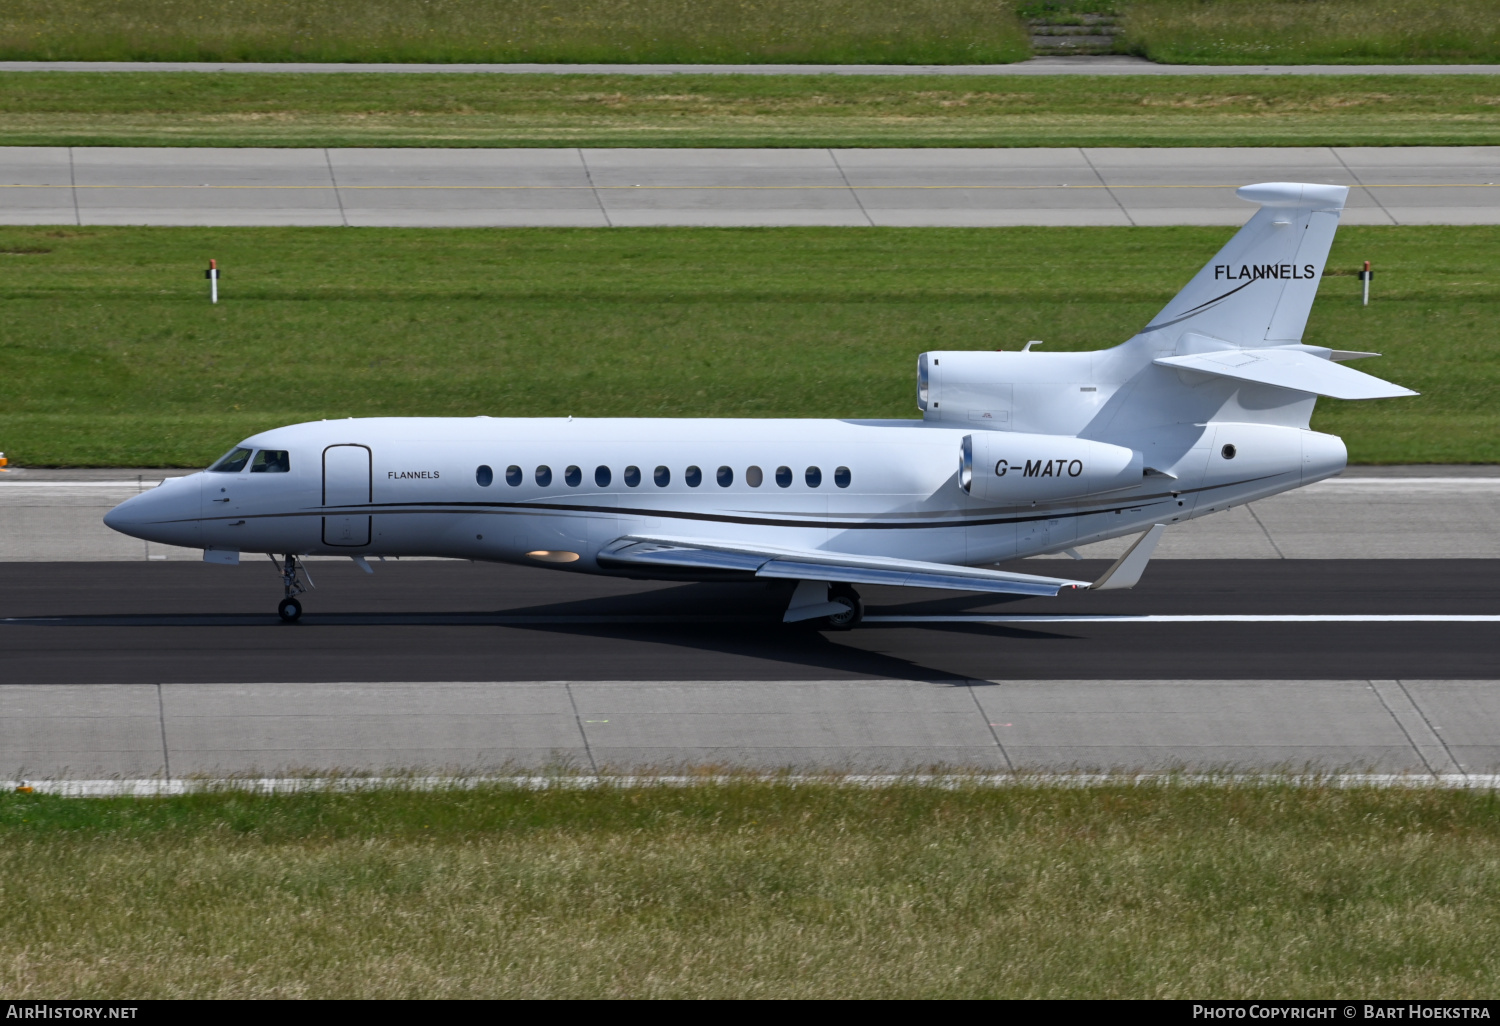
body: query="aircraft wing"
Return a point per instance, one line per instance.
(1289, 368)
(799, 565)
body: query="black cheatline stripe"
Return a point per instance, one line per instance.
(443, 507)
(519, 508)
(1200, 307)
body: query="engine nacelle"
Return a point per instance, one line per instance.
(1012, 467)
(1043, 393)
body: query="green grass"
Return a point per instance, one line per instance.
(756, 889)
(737, 31)
(1312, 31)
(566, 31)
(164, 109)
(112, 355)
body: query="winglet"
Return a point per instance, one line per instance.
(1127, 570)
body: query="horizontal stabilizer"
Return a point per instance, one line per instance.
(798, 565)
(1288, 368)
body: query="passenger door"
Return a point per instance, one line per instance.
(347, 474)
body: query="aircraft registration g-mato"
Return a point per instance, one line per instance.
(1017, 454)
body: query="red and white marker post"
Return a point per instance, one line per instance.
(212, 274)
(1365, 277)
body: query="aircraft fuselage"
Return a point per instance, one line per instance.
(555, 491)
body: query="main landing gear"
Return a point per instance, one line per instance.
(825, 606)
(854, 609)
(290, 609)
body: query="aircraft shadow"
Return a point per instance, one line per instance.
(735, 620)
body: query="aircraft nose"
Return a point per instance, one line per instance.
(117, 518)
(129, 514)
(167, 513)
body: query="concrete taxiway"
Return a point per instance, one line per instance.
(141, 669)
(728, 187)
(177, 730)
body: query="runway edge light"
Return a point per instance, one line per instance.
(1364, 277)
(4, 464)
(212, 274)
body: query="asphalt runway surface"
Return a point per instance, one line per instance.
(411, 187)
(97, 623)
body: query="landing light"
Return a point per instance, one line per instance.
(553, 556)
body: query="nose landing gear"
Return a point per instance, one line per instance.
(290, 609)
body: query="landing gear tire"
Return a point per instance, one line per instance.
(291, 569)
(849, 598)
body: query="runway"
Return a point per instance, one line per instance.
(138, 661)
(727, 187)
(1241, 649)
(140, 669)
(93, 623)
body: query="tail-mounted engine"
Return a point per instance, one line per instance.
(1050, 393)
(1012, 467)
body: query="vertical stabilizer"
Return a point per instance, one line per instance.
(1258, 289)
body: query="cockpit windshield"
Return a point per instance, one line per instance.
(271, 461)
(232, 462)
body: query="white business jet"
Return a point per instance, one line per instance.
(1017, 454)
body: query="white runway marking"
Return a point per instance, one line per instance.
(79, 484)
(1424, 484)
(1198, 618)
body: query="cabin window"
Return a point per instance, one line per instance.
(485, 476)
(271, 461)
(753, 477)
(573, 476)
(232, 462)
(632, 476)
(544, 476)
(693, 476)
(602, 477)
(842, 477)
(814, 477)
(784, 477)
(725, 477)
(662, 477)
(513, 476)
